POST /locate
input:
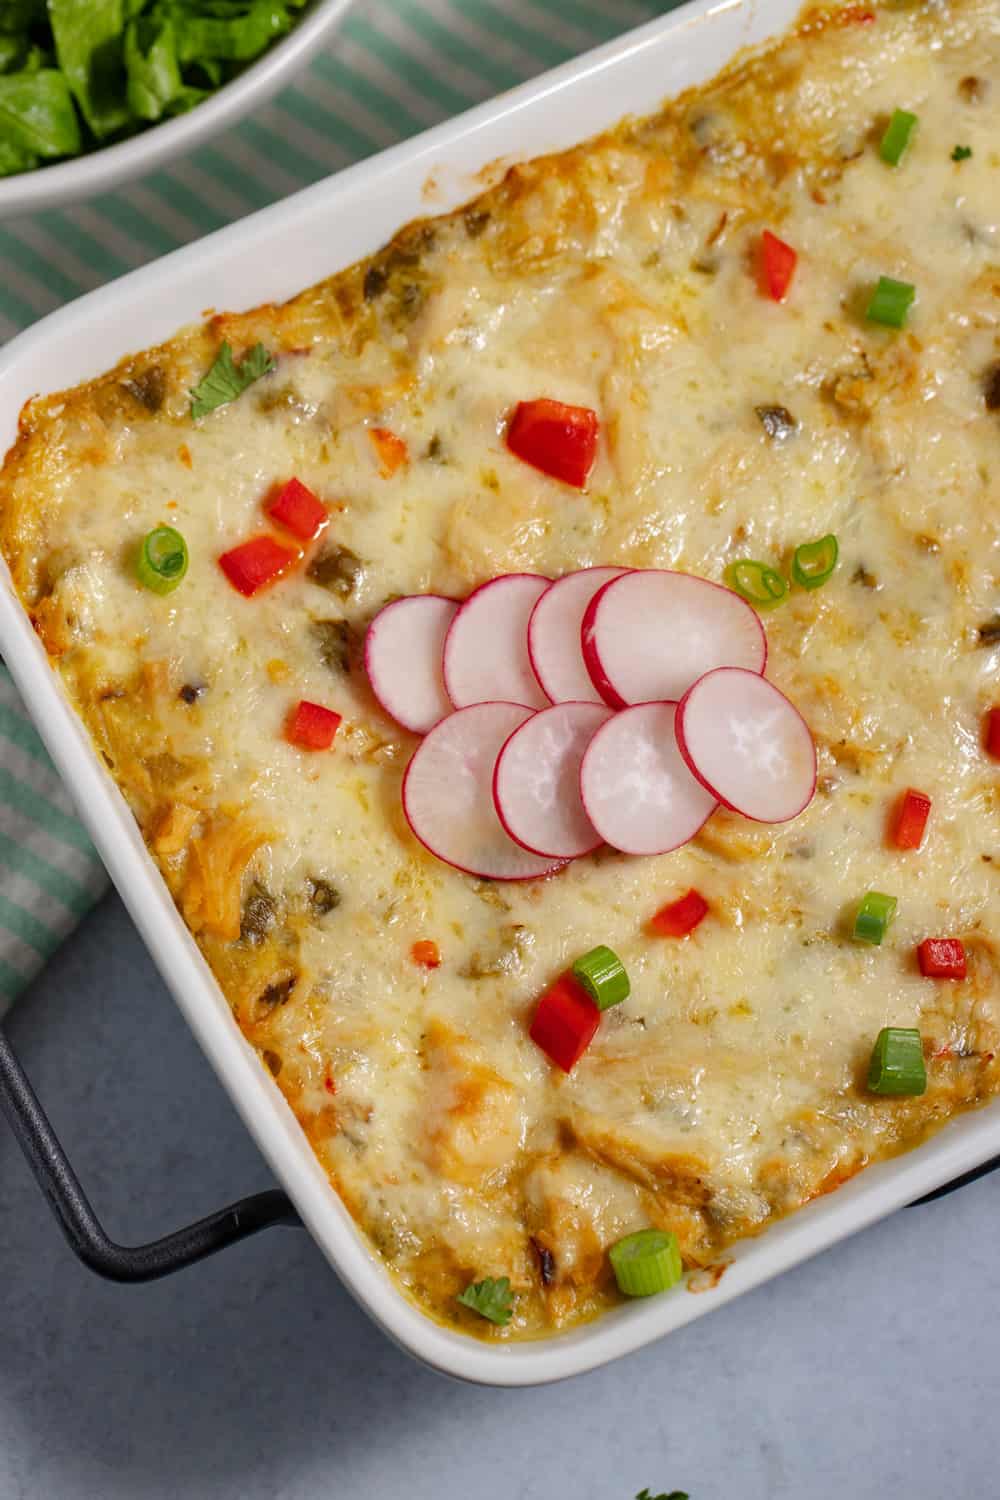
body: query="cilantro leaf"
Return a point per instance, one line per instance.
(490, 1299)
(961, 153)
(674, 1495)
(226, 380)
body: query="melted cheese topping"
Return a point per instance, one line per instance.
(730, 1087)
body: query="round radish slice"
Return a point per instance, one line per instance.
(650, 634)
(486, 650)
(638, 793)
(554, 635)
(448, 794)
(536, 783)
(748, 745)
(403, 650)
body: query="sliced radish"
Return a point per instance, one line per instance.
(748, 745)
(650, 634)
(486, 650)
(448, 794)
(554, 635)
(536, 783)
(638, 793)
(403, 650)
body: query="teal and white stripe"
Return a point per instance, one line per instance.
(49, 873)
(396, 67)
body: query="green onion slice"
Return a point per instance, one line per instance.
(815, 561)
(890, 302)
(874, 915)
(162, 560)
(603, 976)
(756, 582)
(897, 1065)
(898, 135)
(646, 1262)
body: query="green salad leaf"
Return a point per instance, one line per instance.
(88, 36)
(15, 159)
(490, 1298)
(227, 34)
(37, 118)
(226, 380)
(153, 74)
(104, 69)
(13, 51)
(18, 15)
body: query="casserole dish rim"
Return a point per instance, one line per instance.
(270, 256)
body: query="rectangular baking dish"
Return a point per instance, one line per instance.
(271, 256)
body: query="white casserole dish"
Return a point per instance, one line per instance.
(271, 256)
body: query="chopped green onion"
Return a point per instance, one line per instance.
(961, 153)
(897, 136)
(890, 302)
(756, 582)
(603, 976)
(815, 561)
(897, 1065)
(874, 915)
(646, 1262)
(162, 560)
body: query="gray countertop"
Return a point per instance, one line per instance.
(870, 1371)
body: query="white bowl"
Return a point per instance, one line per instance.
(270, 256)
(106, 167)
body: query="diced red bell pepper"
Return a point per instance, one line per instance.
(565, 1022)
(252, 565)
(941, 958)
(426, 953)
(911, 820)
(312, 727)
(560, 440)
(992, 733)
(680, 917)
(297, 509)
(777, 266)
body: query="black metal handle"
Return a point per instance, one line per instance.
(959, 1182)
(81, 1226)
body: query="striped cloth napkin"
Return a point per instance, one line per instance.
(396, 67)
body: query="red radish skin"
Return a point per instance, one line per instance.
(536, 782)
(554, 635)
(748, 745)
(403, 652)
(648, 635)
(637, 791)
(448, 801)
(486, 649)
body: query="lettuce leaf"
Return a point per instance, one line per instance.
(89, 36)
(15, 159)
(37, 117)
(231, 32)
(18, 15)
(106, 68)
(153, 77)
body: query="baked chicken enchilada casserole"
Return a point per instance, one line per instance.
(553, 665)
